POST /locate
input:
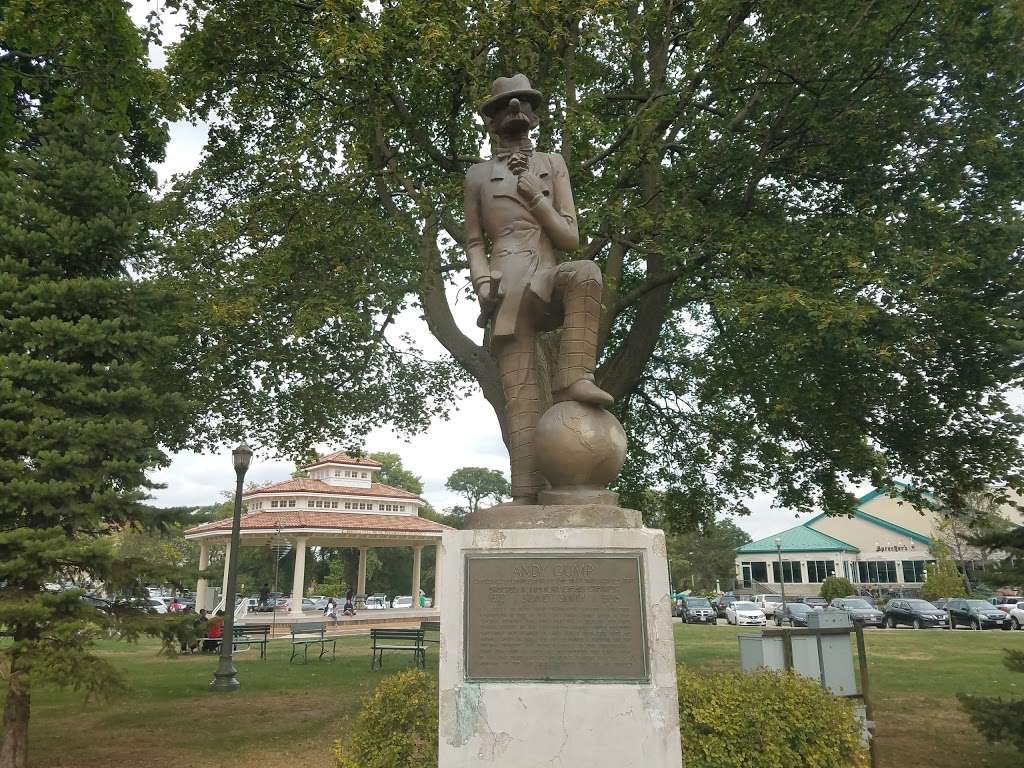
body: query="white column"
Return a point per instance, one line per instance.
(417, 557)
(361, 576)
(438, 565)
(300, 576)
(224, 584)
(204, 563)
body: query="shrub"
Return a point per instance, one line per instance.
(764, 718)
(397, 727)
(727, 719)
(837, 586)
(944, 579)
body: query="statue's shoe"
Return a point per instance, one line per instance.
(584, 391)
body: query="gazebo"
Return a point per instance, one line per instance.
(338, 505)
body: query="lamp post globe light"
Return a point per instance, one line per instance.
(782, 579)
(225, 678)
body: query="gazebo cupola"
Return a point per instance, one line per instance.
(340, 469)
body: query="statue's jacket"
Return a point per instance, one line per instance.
(523, 258)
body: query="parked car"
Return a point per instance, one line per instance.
(768, 603)
(744, 613)
(794, 614)
(859, 610)
(100, 603)
(697, 610)
(818, 603)
(721, 603)
(915, 613)
(977, 614)
(1017, 617)
(376, 602)
(402, 601)
(1006, 603)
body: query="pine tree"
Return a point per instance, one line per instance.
(81, 410)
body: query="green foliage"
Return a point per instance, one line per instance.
(699, 559)
(837, 586)
(764, 718)
(394, 474)
(809, 225)
(997, 718)
(397, 727)
(944, 579)
(83, 411)
(478, 484)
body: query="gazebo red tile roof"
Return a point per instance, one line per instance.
(340, 457)
(322, 520)
(308, 485)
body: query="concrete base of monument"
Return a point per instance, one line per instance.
(594, 515)
(557, 650)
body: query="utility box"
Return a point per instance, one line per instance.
(821, 652)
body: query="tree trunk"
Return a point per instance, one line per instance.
(14, 749)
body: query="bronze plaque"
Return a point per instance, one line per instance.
(553, 617)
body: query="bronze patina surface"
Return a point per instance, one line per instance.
(555, 617)
(520, 214)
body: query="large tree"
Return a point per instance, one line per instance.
(477, 485)
(81, 406)
(808, 222)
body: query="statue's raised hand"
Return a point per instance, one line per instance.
(529, 187)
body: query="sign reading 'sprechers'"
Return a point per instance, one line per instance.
(544, 617)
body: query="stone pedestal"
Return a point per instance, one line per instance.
(562, 655)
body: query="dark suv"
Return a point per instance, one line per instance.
(697, 610)
(977, 614)
(916, 613)
(722, 603)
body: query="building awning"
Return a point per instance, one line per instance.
(798, 539)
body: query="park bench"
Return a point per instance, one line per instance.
(431, 626)
(250, 635)
(397, 640)
(307, 633)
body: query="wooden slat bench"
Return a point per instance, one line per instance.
(430, 626)
(397, 640)
(307, 633)
(250, 635)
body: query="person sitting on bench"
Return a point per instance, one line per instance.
(214, 630)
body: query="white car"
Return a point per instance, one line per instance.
(402, 601)
(1017, 617)
(375, 602)
(743, 614)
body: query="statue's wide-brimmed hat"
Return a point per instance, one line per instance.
(505, 88)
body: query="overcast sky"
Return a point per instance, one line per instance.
(471, 436)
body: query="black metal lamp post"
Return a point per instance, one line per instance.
(782, 578)
(225, 678)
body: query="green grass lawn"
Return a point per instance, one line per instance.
(289, 715)
(914, 678)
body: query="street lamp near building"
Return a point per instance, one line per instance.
(782, 577)
(225, 678)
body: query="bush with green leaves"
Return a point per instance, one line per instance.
(944, 578)
(397, 726)
(727, 719)
(837, 586)
(764, 718)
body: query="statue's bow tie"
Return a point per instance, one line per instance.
(518, 159)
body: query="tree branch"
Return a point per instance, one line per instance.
(476, 360)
